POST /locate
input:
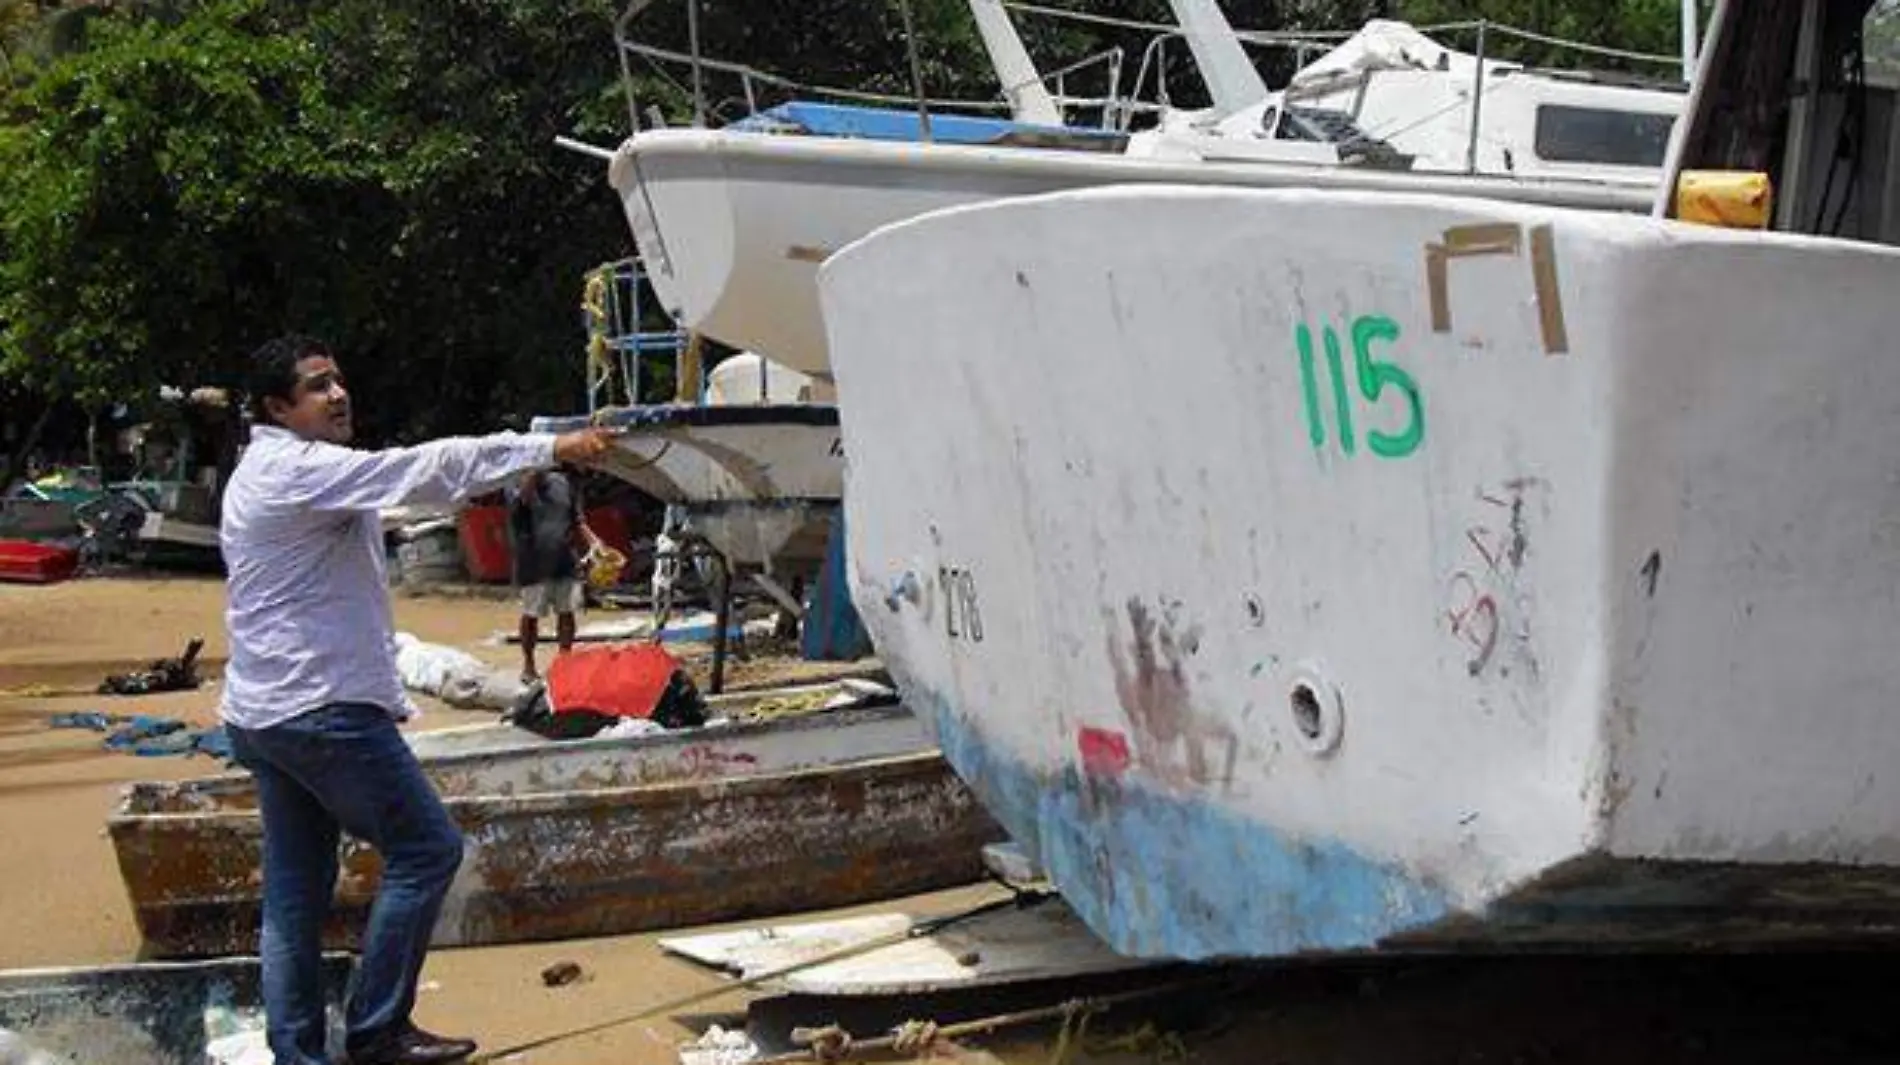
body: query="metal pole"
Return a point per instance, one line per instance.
(626, 68)
(1477, 102)
(584, 148)
(916, 70)
(722, 620)
(1689, 39)
(699, 80)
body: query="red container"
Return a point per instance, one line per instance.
(490, 557)
(25, 562)
(485, 548)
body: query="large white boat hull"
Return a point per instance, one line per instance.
(1311, 571)
(732, 226)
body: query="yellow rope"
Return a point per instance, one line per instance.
(915, 1037)
(830, 1043)
(686, 389)
(787, 705)
(1147, 1040)
(43, 691)
(594, 305)
(1075, 1028)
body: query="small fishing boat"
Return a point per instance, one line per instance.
(27, 562)
(599, 836)
(151, 1013)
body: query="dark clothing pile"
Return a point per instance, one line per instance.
(165, 675)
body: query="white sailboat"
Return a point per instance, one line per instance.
(733, 224)
(1405, 88)
(1306, 570)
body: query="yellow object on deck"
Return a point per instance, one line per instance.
(1735, 199)
(603, 566)
(686, 389)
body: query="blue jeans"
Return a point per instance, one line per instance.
(345, 766)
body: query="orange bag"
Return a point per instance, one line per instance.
(619, 680)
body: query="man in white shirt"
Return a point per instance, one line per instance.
(312, 696)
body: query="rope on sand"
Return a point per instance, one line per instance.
(921, 928)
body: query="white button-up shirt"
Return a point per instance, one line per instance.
(307, 604)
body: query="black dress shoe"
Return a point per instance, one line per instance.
(412, 1046)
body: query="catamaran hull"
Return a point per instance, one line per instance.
(732, 226)
(1319, 571)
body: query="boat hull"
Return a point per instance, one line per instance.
(150, 1012)
(760, 483)
(1316, 571)
(732, 226)
(599, 837)
(27, 562)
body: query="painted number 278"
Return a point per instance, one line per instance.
(962, 617)
(1374, 377)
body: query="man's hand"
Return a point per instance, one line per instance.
(584, 445)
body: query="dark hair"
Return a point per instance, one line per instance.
(273, 371)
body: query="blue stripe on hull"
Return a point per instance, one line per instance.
(1164, 876)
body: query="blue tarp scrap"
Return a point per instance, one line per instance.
(92, 720)
(141, 728)
(149, 736)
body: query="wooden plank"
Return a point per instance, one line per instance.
(748, 952)
(1044, 940)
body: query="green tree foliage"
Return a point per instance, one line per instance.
(380, 173)
(1649, 26)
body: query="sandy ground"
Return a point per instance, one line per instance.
(61, 902)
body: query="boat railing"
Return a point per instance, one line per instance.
(1117, 111)
(1112, 106)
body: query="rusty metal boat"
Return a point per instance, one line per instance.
(598, 837)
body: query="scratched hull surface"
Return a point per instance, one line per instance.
(600, 837)
(732, 226)
(1297, 571)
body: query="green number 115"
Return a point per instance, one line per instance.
(1374, 376)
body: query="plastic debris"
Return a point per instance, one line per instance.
(720, 1047)
(560, 973)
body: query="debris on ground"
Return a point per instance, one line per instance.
(454, 676)
(560, 973)
(718, 1046)
(86, 719)
(165, 675)
(147, 735)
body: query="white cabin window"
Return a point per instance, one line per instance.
(1568, 134)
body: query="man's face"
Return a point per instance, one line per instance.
(319, 408)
